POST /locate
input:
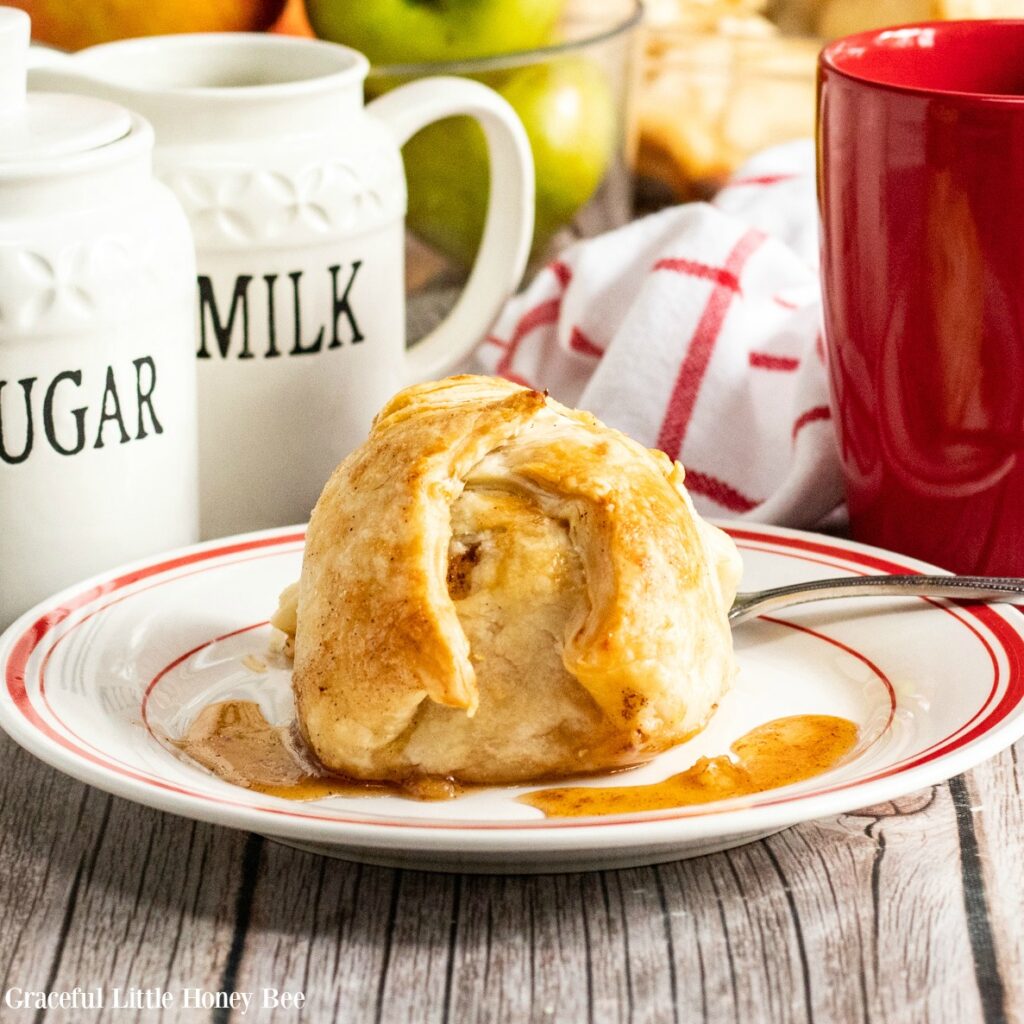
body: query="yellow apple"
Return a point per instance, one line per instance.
(566, 107)
(72, 26)
(414, 31)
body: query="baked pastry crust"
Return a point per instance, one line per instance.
(497, 588)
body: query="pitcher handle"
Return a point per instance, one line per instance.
(508, 230)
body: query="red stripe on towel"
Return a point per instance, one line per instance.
(698, 354)
(719, 492)
(819, 412)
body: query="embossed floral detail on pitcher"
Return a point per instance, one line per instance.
(261, 205)
(298, 199)
(68, 286)
(215, 204)
(32, 285)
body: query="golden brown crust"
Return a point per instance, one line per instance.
(563, 527)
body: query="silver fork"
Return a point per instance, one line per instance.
(968, 588)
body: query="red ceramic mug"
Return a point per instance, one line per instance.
(921, 193)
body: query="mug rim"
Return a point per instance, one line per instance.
(351, 65)
(828, 62)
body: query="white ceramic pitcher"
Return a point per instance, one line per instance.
(296, 196)
(97, 334)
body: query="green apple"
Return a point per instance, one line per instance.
(566, 107)
(415, 31)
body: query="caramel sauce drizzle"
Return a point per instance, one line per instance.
(778, 753)
(234, 740)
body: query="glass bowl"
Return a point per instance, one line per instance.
(574, 99)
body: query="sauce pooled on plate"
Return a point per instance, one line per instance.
(235, 741)
(778, 753)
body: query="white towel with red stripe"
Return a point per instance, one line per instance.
(697, 330)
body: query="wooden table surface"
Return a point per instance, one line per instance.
(902, 912)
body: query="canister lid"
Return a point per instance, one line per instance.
(45, 125)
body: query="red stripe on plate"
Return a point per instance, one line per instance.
(853, 652)
(31, 638)
(1009, 641)
(833, 641)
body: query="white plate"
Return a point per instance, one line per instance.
(93, 675)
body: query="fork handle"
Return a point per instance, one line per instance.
(970, 588)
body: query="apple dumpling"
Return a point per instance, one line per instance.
(497, 589)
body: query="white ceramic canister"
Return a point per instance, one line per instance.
(296, 195)
(98, 461)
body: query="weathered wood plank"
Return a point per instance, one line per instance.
(524, 949)
(992, 802)
(321, 927)
(921, 967)
(863, 918)
(98, 891)
(855, 919)
(155, 907)
(416, 985)
(49, 826)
